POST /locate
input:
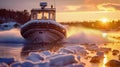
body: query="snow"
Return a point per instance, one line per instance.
(76, 49)
(42, 21)
(8, 26)
(62, 60)
(34, 57)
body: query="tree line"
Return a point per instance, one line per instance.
(11, 15)
(95, 24)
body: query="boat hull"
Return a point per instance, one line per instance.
(43, 33)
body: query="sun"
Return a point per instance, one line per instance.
(104, 20)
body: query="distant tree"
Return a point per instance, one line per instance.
(19, 16)
(1, 21)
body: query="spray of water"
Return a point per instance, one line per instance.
(77, 34)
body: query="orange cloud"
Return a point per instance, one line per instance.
(80, 8)
(109, 7)
(72, 8)
(95, 2)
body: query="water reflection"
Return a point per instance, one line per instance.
(105, 60)
(39, 48)
(8, 50)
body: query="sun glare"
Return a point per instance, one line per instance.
(104, 35)
(105, 60)
(104, 20)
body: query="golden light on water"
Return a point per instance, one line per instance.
(105, 60)
(73, 30)
(104, 35)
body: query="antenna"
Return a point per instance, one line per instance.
(54, 4)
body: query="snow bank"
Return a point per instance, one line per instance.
(11, 36)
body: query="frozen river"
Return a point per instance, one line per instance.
(13, 45)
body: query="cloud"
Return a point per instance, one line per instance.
(89, 5)
(95, 2)
(109, 6)
(62, 5)
(87, 8)
(77, 8)
(79, 5)
(69, 2)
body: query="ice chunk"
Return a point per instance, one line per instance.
(45, 54)
(74, 50)
(16, 64)
(75, 65)
(104, 49)
(100, 54)
(62, 60)
(3, 65)
(119, 57)
(78, 58)
(65, 50)
(113, 63)
(115, 52)
(54, 55)
(27, 64)
(43, 64)
(7, 60)
(35, 57)
(92, 48)
(95, 59)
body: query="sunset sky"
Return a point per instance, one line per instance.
(72, 10)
